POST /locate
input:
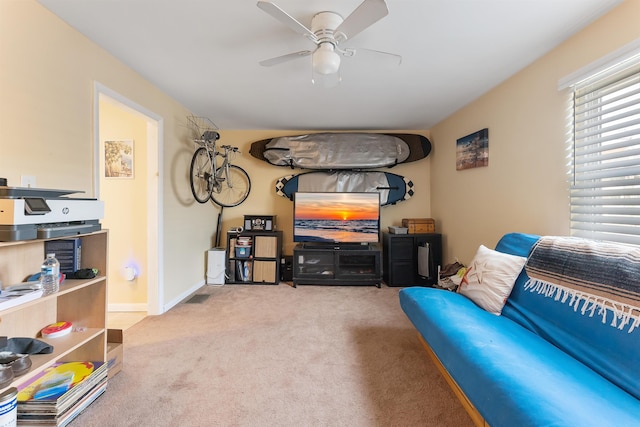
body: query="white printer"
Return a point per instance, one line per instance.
(38, 213)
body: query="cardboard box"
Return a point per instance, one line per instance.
(115, 351)
(419, 225)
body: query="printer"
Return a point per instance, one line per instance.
(38, 213)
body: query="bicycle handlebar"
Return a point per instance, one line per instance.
(230, 148)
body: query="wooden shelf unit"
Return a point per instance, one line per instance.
(262, 258)
(81, 302)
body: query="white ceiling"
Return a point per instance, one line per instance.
(205, 54)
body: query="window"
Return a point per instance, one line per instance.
(605, 169)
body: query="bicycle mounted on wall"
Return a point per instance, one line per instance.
(224, 183)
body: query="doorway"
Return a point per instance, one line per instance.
(132, 204)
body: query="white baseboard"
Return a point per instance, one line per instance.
(169, 305)
(144, 307)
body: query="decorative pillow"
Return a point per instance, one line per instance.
(490, 278)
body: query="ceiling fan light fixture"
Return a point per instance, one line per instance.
(328, 31)
(325, 59)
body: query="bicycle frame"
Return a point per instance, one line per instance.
(218, 171)
(226, 184)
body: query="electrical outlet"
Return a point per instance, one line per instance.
(27, 181)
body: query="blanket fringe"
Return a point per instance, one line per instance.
(623, 314)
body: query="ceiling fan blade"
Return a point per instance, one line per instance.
(287, 19)
(284, 58)
(365, 15)
(391, 58)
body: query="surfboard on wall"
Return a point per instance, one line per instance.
(393, 188)
(342, 150)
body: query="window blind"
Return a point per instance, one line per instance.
(605, 187)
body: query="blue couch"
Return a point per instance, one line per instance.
(540, 363)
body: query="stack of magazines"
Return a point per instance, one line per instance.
(58, 394)
(19, 294)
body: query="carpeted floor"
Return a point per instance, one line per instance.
(278, 356)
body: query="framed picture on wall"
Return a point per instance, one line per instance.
(118, 159)
(472, 151)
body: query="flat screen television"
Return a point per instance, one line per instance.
(336, 217)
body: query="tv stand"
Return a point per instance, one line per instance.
(335, 246)
(331, 264)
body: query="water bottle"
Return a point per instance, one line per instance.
(245, 275)
(50, 275)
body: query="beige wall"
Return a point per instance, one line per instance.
(525, 186)
(47, 80)
(263, 199)
(47, 76)
(125, 203)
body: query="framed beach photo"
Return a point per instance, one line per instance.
(472, 151)
(118, 159)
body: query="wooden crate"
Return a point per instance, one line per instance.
(419, 225)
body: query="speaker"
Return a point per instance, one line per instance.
(286, 268)
(260, 222)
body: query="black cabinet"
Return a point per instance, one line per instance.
(253, 257)
(411, 259)
(328, 265)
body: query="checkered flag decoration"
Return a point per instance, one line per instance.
(408, 192)
(408, 184)
(280, 185)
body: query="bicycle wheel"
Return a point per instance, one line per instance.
(235, 190)
(200, 176)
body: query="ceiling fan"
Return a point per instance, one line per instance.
(328, 30)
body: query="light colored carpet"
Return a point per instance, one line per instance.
(278, 356)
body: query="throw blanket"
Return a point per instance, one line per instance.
(604, 276)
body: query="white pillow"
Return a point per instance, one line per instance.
(490, 278)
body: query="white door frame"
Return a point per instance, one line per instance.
(155, 294)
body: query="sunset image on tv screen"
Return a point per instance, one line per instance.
(337, 217)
